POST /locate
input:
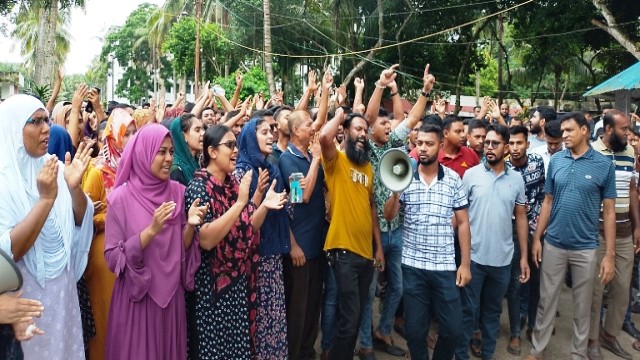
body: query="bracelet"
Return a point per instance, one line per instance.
(425, 94)
(379, 86)
(393, 94)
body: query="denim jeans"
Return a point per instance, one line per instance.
(437, 290)
(495, 281)
(329, 314)
(530, 292)
(513, 292)
(353, 274)
(392, 248)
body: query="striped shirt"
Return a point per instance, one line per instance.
(578, 187)
(427, 231)
(625, 164)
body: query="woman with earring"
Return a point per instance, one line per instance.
(223, 308)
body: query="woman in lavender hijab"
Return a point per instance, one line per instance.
(150, 246)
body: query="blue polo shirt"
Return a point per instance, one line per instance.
(492, 200)
(308, 223)
(578, 187)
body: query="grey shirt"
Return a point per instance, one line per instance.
(492, 200)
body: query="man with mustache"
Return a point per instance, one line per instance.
(496, 193)
(578, 182)
(431, 278)
(542, 115)
(613, 145)
(354, 224)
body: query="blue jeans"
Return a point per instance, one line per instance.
(495, 281)
(329, 309)
(392, 248)
(353, 274)
(513, 293)
(437, 290)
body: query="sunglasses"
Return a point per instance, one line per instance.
(231, 144)
(492, 143)
(37, 121)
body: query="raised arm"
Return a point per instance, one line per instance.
(328, 133)
(398, 113)
(236, 93)
(359, 85)
(202, 100)
(417, 111)
(323, 108)
(312, 86)
(387, 76)
(74, 116)
(56, 90)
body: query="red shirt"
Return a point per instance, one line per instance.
(463, 161)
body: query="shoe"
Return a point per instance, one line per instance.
(366, 355)
(390, 349)
(476, 346)
(513, 349)
(594, 352)
(635, 308)
(615, 347)
(630, 328)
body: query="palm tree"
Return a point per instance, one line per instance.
(27, 33)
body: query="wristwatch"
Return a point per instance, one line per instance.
(425, 94)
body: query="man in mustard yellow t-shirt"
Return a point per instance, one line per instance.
(354, 229)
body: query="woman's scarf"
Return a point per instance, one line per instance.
(60, 142)
(110, 154)
(275, 229)
(52, 252)
(60, 117)
(183, 158)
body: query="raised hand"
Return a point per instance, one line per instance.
(274, 200)
(428, 80)
(196, 213)
(47, 180)
(160, 217)
(260, 101)
(440, 106)
(327, 80)
(238, 79)
(244, 188)
(312, 82)
(74, 169)
(358, 83)
(263, 180)
(79, 95)
(339, 115)
(342, 94)
(388, 75)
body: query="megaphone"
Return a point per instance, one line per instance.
(10, 275)
(395, 170)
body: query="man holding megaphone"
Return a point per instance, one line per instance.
(430, 277)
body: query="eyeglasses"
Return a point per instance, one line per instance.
(492, 143)
(37, 121)
(231, 144)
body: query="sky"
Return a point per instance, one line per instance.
(87, 28)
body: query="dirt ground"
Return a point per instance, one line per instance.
(558, 348)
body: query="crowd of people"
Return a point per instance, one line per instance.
(238, 229)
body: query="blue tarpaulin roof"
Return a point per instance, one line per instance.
(629, 79)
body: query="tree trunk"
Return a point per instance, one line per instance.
(45, 46)
(268, 58)
(611, 27)
(500, 33)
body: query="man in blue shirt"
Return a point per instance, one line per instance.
(305, 266)
(579, 180)
(496, 193)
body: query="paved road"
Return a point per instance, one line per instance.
(558, 348)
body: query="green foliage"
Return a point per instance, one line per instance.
(181, 43)
(43, 92)
(253, 82)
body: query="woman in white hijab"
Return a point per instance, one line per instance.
(45, 224)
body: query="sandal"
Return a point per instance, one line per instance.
(390, 349)
(514, 349)
(476, 345)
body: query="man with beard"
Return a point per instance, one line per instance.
(430, 278)
(454, 153)
(476, 134)
(504, 112)
(354, 224)
(208, 117)
(553, 138)
(613, 145)
(531, 168)
(496, 193)
(383, 138)
(542, 115)
(579, 181)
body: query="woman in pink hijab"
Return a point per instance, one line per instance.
(149, 245)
